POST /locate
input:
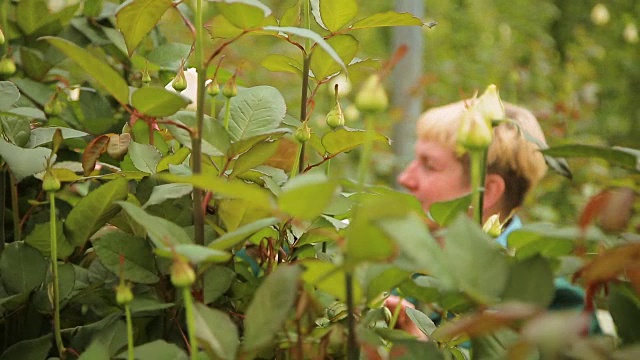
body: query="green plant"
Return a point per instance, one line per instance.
(149, 186)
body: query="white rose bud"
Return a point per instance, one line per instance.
(600, 14)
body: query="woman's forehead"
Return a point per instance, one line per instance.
(434, 150)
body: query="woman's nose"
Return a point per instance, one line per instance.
(407, 177)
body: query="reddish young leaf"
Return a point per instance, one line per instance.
(617, 211)
(93, 151)
(610, 264)
(593, 209)
(485, 322)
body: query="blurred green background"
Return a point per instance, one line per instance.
(575, 64)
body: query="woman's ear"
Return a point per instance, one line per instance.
(494, 189)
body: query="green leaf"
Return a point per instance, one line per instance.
(419, 251)
(195, 254)
(40, 238)
(235, 237)
(144, 304)
(144, 157)
(136, 19)
(216, 332)
(531, 281)
(624, 307)
(97, 350)
(22, 268)
(215, 137)
(32, 14)
(44, 135)
(104, 74)
(445, 212)
(337, 13)
(548, 239)
(282, 63)
(9, 94)
(220, 27)
(158, 102)
(383, 278)
(475, 261)
(346, 46)
(138, 263)
(28, 112)
(157, 350)
(422, 321)
(344, 139)
(413, 349)
(255, 111)
(162, 232)
(619, 156)
(169, 56)
(233, 188)
(164, 192)
(94, 210)
(32, 349)
(307, 195)
(271, 306)
(389, 18)
(24, 162)
(329, 278)
(16, 130)
(306, 33)
(257, 155)
(244, 14)
(217, 280)
(34, 63)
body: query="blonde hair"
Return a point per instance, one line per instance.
(513, 153)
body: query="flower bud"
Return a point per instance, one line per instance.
(180, 81)
(630, 33)
(7, 66)
(182, 274)
(50, 182)
(303, 133)
(146, 78)
(54, 107)
(123, 294)
(230, 88)
(474, 132)
(600, 14)
(2, 39)
(372, 96)
(213, 89)
(490, 105)
(493, 226)
(335, 117)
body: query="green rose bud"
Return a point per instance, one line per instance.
(335, 117)
(54, 107)
(213, 89)
(146, 78)
(50, 182)
(7, 66)
(230, 88)
(180, 81)
(372, 96)
(474, 132)
(182, 274)
(493, 226)
(123, 294)
(490, 105)
(303, 133)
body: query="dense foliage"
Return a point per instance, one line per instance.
(165, 200)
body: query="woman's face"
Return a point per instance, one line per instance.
(434, 175)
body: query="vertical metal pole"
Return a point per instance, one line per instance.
(405, 74)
